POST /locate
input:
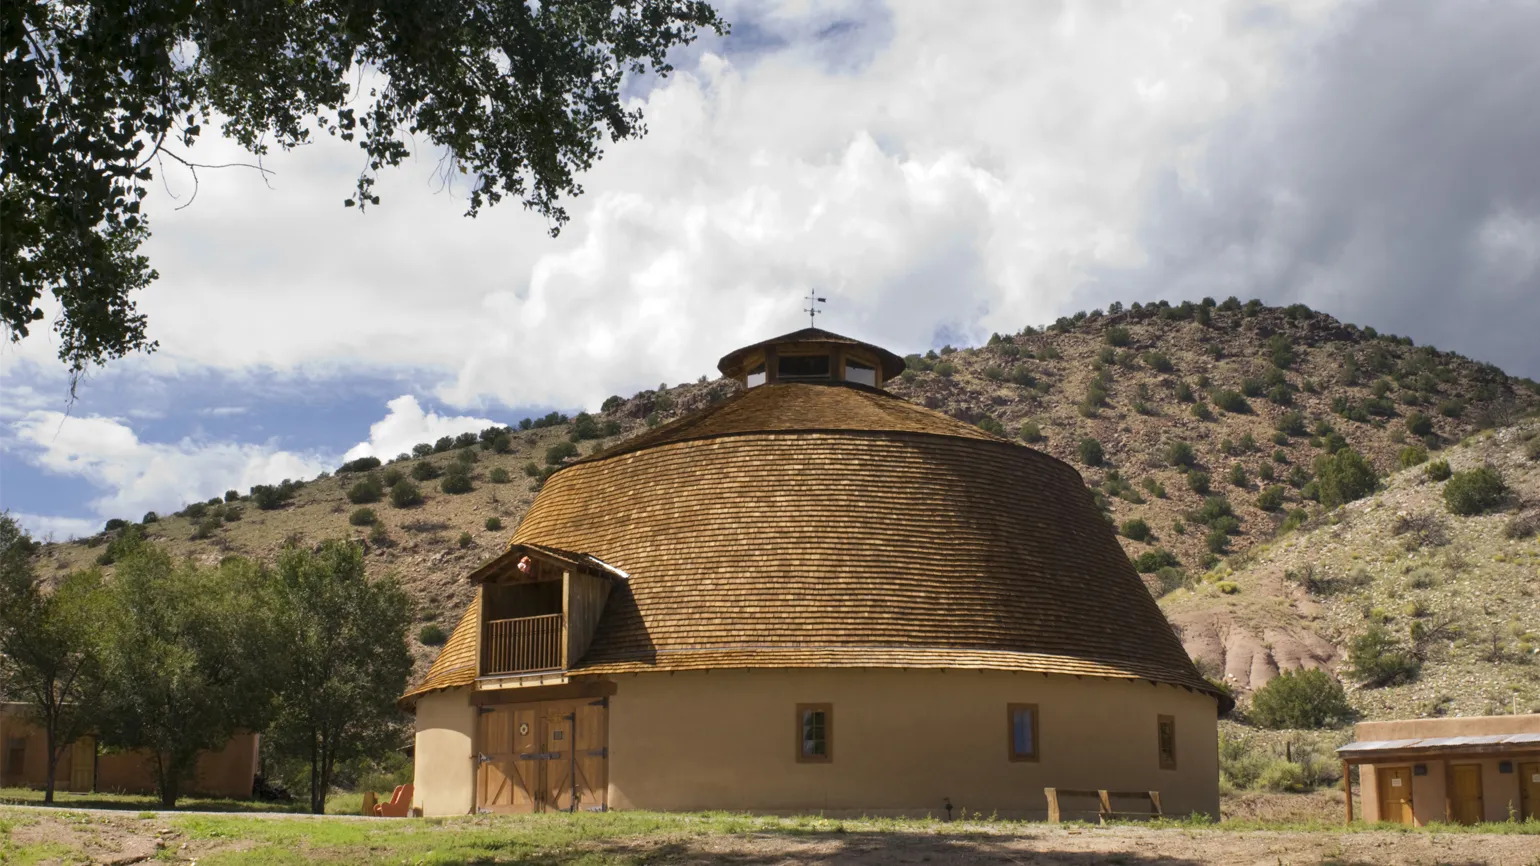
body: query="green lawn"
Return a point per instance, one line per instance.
(337, 804)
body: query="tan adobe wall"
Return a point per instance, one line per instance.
(1500, 791)
(903, 741)
(443, 777)
(225, 773)
(34, 768)
(1473, 726)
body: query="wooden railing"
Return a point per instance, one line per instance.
(523, 645)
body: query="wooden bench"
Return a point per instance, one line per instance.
(1104, 803)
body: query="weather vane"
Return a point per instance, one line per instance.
(812, 307)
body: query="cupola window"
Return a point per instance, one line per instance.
(859, 373)
(791, 368)
(756, 376)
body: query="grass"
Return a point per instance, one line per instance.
(149, 804)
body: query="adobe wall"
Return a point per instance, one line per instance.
(444, 775)
(1500, 791)
(903, 742)
(226, 773)
(34, 769)
(1472, 726)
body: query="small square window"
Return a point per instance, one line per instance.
(861, 374)
(1021, 731)
(1165, 740)
(815, 733)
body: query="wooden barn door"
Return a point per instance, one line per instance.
(531, 755)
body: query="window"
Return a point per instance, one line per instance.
(1165, 739)
(15, 755)
(756, 375)
(1021, 731)
(860, 373)
(793, 367)
(815, 733)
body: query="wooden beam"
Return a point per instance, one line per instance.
(1053, 804)
(1347, 788)
(1448, 793)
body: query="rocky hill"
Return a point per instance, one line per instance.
(1157, 406)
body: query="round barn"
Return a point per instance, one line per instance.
(814, 597)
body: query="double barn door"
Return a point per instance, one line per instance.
(546, 756)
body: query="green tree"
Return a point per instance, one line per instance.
(1301, 699)
(345, 660)
(1480, 489)
(1343, 477)
(1377, 659)
(48, 657)
(99, 95)
(188, 659)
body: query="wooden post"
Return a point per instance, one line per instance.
(1106, 804)
(1347, 788)
(1448, 793)
(1053, 804)
(1155, 803)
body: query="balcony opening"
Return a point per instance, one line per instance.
(523, 627)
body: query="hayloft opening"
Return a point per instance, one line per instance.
(523, 629)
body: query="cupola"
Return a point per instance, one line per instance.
(811, 355)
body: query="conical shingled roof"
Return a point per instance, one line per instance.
(802, 525)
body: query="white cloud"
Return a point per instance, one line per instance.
(46, 527)
(137, 476)
(405, 424)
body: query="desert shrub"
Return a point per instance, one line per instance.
(991, 426)
(498, 475)
(1291, 423)
(494, 524)
(391, 476)
(1475, 491)
(443, 443)
(1522, 526)
(1265, 471)
(1231, 401)
(1030, 432)
(1412, 455)
(1170, 579)
(363, 517)
(1238, 476)
(1152, 561)
(1438, 470)
(207, 527)
(1252, 387)
(1280, 352)
(378, 536)
(425, 470)
(945, 369)
(1532, 449)
(1184, 392)
(271, 496)
(558, 453)
(1091, 452)
(994, 373)
(1180, 454)
(422, 449)
(368, 489)
(466, 440)
(233, 513)
(149, 517)
(1202, 412)
(1136, 529)
(232, 496)
(1271, 498)
(1376, 659)
(1157, 361)
(1217, 540)
(1452, 408)
(362, 464)
(432, 634)
(405, 494)
(1419, 424)
(1344, 477)
(1154, 488)
(195, 511)
(457, 480)
(1117, 336)
(466, 456)
(1198, 481)
(114, 524)
(1301, 699)
(464, 540)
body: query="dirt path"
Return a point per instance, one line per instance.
(100, 837)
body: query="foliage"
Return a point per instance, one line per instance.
(1271, 498)
(425, 470)
(1117, 336)
(1280, 351)
(48, 657)
(1152, 561)
(1291, 423)
(188, 655)
(269, 497)
(362, 464)
(1136, 529)
(405, 494)
(432, 634)
(1031, 433)
(1230, 401)
(464, 540)
(1238, 476)
(1301, 699)
(369, 489)
(498, 475)
(1198, 482)
(1344, 477)
(1377, 659)
(1412, 455)
(558, 453)
(1419, 424)
(363, 517)
(494, 523)
(344, 659)
(457, 480)
(1157, 361)
(1438, 470)
(1090, 451)
(1475, 492)
(992, 426)
(391, 476)
(1180, 454)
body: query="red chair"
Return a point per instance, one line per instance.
(400, 804)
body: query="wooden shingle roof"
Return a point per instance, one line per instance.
(802, 525)
(456, 662)
(892, 364)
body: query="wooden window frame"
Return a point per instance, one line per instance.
(1010, 733)
(828, 734)
(1160, 754)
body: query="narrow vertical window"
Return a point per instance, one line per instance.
(15, 756)
(815, 733)
(1165, 739)
(1021, 731)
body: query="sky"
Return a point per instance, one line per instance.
(938, 171)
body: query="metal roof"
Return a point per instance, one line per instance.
(1438, 743)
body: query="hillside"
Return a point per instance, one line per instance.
(1460, 594)
(1131, 380)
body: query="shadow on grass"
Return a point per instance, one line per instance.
(65, 800)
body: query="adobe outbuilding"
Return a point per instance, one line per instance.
(812, 596)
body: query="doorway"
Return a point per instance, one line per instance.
(1529, 790)
(544, 756)
(1465, 801)
(1395, 784)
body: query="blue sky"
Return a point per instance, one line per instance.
(937, 176)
